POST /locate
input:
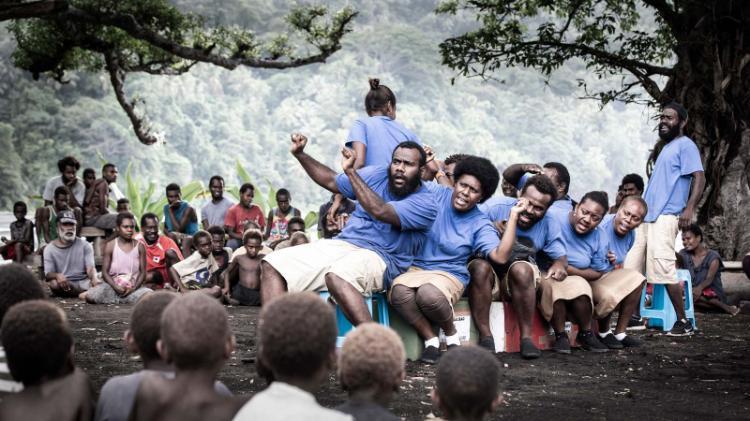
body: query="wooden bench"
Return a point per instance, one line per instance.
(96, 236)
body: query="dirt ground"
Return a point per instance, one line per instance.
(706, 376)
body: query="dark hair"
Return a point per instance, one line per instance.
(217, 230)
(173, 187)
(297, 334)
(247, 186)
(681, 111)
(145, 322)
(20, 204)
(638, 199)
(283, 192)
(378, 97)
(37, 341)
(149, 215)
(252, 233)
(108, 165)
(59, 191)
(88, 171)
(410, 144)
(598, 197)
(695, 229)
(216, 177)
(123, 216)
(456, 158)
(198, 234)
(542, 184)
(123, 200)
(563, 176)
(17, 284)
(633, 179)
(296, 220)
(68, 161)
(467, 382)
(483, 170)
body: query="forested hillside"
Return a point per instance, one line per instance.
(210, 117)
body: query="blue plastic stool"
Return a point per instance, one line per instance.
(661, 313)
(380, 316)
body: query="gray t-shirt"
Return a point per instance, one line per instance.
(71, 261)
(118, 395)
(78, 190)
(214, 213)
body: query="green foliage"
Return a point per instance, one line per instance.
(152, 200)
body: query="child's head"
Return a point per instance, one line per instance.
(283, 200)
(19, 210)
(123, 205)
(195, 333)
(145, 324)
(298, 238)
(253, 241)
(297, 336)
(202, 243)
(372, 358)
(467, 383)
(17, 284)
(250, 225)
(295, 224)
(89, 176)
(218, 238)
(37, 342)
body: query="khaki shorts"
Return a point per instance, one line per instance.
(654, 248)
(448, 284)
(501, 287)
(609, 290)
(305, 266)
(568, 289)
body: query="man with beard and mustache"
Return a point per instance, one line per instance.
(518, 281)
(161, 253)
(673, 191)
(69, 260)
(388, 227)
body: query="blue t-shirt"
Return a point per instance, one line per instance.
(455, 236)
(191, 227)
(584, 251)
(618, 245)
(565, 204)
(397, 247)
(545, 233)
(381, 135)
(669, 186)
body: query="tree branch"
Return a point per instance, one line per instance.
(665, 10)
(25, 10)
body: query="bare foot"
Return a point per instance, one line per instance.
(734, 310)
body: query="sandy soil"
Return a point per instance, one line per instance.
(706, 376)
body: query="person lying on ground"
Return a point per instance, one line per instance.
(21, 242)
(180, 220)
(69, 260)
(161, 253)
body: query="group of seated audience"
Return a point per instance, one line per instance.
(424, 231)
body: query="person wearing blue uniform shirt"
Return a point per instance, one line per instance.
(619, 287)
(516, 175)
(386, 230)
(586, 248)
(517, 282)
(425, 295)
(672, 194)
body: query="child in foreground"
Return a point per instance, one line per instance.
(196, 339)
(244, 272)
(467, 384)
(39, 348)
(297, 344)
(370, 369)
(118, 393)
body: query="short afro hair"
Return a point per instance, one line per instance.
(410, 144)
(68, 161)
(200, 234)
(638, 199)
(297, 334)
(296, 220)
(467, 382)
(483, 170)
(252, 233)
(37, 341)
(633, 179)
(122, 216)
(173, 187)
(372, 358)
(149, 215)
(455, 158)
(563, 176)
(195, 330)
(542, 184)
(60, 191)
(145, 322)
(17, 284)
(217, 230)
(598, 197)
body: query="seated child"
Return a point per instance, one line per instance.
(196, 338)
(39, 347)
(221, 253)
(294, 226)
(195, 272)
(17, 284)
(279, 218)
(241, 250)
(466, 387)
(244, 272)
(118, 393)
(21, 242)
(370, 369)
(705, 268)
(297, 344)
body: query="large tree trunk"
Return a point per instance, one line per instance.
(713, 82)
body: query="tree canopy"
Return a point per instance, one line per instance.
(155, 37)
